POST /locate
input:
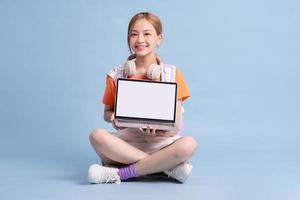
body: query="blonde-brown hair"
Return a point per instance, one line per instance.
(151, 18)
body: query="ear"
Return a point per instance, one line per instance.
(160, 38)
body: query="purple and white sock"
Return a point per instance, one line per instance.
(127, 172)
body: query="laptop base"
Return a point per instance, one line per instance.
(164, 127)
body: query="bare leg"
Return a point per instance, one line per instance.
(114, 150)
(167, 158)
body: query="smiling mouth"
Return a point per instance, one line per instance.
(140, 48)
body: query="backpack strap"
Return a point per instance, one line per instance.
(168, 73)
(117, 72)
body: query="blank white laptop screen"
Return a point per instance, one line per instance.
(146, 100)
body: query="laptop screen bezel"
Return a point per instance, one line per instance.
(140, 118)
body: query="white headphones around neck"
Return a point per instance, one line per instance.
(153, 71)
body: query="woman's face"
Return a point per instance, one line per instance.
(143, 38)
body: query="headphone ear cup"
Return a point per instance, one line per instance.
(154, 72)
(130, 68)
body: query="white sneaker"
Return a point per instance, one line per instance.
(181, 172)
(100, 174)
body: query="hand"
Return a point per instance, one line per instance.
(149, 130)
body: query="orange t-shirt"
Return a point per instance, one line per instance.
(110, 89)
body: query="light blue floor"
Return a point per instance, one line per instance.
(224, 168)
(224, 177)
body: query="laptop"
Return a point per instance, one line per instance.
(142, 103)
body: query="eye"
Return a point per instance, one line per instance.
(133, 35)
(147, 34)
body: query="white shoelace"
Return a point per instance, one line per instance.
(100, 174)
(109, 175)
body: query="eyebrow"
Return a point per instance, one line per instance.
(134, 30)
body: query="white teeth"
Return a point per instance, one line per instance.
(140, 48)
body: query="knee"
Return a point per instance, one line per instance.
(185, 148)
(98, 137)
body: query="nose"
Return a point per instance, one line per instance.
(140, 38)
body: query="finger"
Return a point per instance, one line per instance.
(153, 131)
(114, 124)
(148, 129)
(142, 129)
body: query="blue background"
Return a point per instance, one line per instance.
(241, 63)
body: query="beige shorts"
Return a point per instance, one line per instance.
(145, 142)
